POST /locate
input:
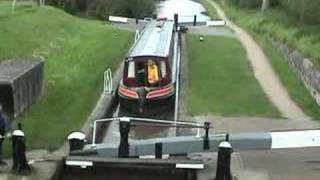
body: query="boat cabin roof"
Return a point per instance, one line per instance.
(155, 40)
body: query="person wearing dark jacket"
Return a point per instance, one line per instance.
(3, 127)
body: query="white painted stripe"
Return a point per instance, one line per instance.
(164, 156)
(190, 166)
(295, 139)
(79, 163)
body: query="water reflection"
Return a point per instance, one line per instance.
(186, 9)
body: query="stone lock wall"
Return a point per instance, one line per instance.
(308, 72)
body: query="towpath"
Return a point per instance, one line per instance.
(264, 72)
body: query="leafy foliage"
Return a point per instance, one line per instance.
(76, 52)
(307, 11)
(278, 24)
(104, 8)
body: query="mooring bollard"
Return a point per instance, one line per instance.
(206, 144)
(176, 21)
(158, 150)
(20, 164)
(137, 21)
(20, 126)
(194, 20)
(227, 137)
(76, 140)
(124, 128)
(224, 158)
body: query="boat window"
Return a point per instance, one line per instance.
(163, 68)
(141, 74)
(131, 70)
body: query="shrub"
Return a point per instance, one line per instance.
(251, 4)
(306, 11)
(103, 8)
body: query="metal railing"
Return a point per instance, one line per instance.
(179, 124)
(178, 60)
(108, 87)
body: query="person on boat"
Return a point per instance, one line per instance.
(153, 72)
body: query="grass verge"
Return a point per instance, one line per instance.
(274, 23)
(221, 80)
(277, 23)
(210, 10)
(76, 53)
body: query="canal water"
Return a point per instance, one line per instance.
(186, 9)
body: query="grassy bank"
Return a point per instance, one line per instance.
(276, 23)
(210, 10)
(221, 80)
(76, 52)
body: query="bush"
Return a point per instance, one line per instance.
(70, 6)
(306, 11)
(251, 4)
(103, 8)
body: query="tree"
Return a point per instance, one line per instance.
(265, 5)
(13, 6)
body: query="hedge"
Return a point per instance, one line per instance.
(250, 4)
(307, 11)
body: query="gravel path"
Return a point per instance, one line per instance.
(264, 72)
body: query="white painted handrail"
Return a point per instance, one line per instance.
(108, 88)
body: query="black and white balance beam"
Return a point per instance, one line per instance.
(190, 144)
(84, 162)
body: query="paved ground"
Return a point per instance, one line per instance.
(255, 124)
(41, 162)
(295, 164)
(264, 72)
(280, 164)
